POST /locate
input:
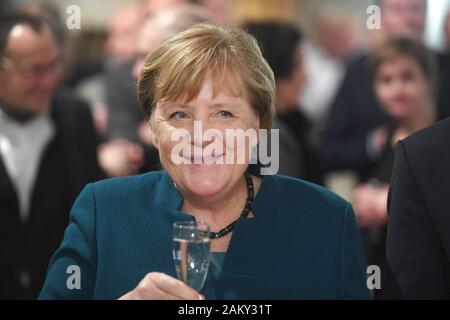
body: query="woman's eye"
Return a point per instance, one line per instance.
(178, 115)
(408, 76)
(385, 80)
(223, 113)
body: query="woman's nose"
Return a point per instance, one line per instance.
(198, 136)
(398, 85)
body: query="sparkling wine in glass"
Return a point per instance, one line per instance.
(191, 252)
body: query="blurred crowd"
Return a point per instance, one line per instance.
(342, 103)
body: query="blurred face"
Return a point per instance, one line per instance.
(220, 112)
(31, 70)
(154, 5)
(122, 33)
(404, 17)
(402, 87)
(150, 36)
(335, 32)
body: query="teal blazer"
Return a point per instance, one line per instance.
(303, 243)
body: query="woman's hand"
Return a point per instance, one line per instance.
(159, 286)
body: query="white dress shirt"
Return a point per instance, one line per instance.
(21, 149)
(323, 78)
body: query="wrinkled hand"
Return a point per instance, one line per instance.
(121, 157)
(159, 286)
(370, 204)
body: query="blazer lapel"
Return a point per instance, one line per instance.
(9, 209)
(439, 192)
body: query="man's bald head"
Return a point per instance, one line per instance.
(9, 22)
(30, 63)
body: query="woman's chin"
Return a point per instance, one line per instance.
(399, 112)
(206, 180)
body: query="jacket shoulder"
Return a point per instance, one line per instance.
(66, 98)
(128, 187)
(428, 141)
(70, 110)
(307, 194)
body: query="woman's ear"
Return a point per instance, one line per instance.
(153, 128)
(155, 136)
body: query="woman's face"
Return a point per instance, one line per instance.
(209, 172)
(402, 87)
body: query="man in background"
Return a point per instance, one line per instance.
(418, 237)
(47, 153)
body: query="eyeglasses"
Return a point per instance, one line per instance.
(37, 71)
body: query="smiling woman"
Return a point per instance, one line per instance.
(272, 237)
(402, 71)
(221, 112)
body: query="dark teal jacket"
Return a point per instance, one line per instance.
(302, 244)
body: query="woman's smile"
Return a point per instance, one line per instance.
(205, 160)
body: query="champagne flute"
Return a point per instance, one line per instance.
(191, 252)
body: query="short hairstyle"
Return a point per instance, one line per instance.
(278, 42)
(405, 47)
(177, 68)
(9, 21)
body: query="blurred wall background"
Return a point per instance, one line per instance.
(95, 14)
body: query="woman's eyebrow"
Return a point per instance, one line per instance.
(224, 105)
(169, 107)
(175, 105)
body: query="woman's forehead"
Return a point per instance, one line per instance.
(215, 89)
(401, 60)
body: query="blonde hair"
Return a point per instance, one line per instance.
(178, 67)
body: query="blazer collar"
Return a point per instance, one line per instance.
(169, 197)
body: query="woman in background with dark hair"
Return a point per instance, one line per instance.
(402, 72)
(281, 46)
